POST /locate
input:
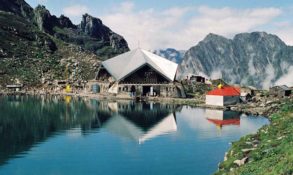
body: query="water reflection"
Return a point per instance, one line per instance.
(26, 121)
(223, 118)
(65, 135)
(140, 122)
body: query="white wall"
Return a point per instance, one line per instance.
(214, 114)
(214, 100)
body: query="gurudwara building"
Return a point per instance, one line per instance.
(138, 73)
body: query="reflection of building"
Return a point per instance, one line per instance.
(138, 121)
(138, 72)
(222, 118)
(223, 96)
(143, 131)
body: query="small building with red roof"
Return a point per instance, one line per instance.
(223, 96)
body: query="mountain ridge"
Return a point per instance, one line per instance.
(37, 47)
(257, 59)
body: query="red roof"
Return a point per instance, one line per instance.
(225, 122)
(225, 91)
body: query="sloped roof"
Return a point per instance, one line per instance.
(123, 65)
(225, 91)
(126, 128)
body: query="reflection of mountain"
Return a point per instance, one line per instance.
(26, 121)
(196, 119)
(222, 118)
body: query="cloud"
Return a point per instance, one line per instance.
(183, 27)
(75, 10)
(286, 79)
(270, 75)
(285, 32)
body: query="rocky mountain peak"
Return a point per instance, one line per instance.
(259, 37)
(214, 37)
(65, 22)
(257, 59)
(18, 7)
(93, 26)
(171, 54)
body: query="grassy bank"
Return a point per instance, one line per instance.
(269, 151)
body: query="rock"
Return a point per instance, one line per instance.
(248, 143)
(226, 156)
(247, 150)
(241, 162)
(17, 7)
(237, 59)
(234, 108)
(171, 54)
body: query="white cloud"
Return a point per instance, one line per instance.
(286, 79)
(183, 27)
(285, 33)
(270, 75)
(75, 10)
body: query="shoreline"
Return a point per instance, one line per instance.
(265, 108)
(268, 151)
(238, 155)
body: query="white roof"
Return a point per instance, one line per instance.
(123, 65)
(123, 127)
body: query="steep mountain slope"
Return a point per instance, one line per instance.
(27, 54)
(170, 54)
(37, 46)
(90, 34)
(18, 7)
(257, 59)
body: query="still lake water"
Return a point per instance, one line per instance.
(54, 135)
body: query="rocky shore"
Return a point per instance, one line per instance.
(269, 151)
(248, 150)
(263, 106)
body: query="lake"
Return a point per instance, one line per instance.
(65, 135)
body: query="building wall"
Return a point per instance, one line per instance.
(162, 90)
(221, 101)
(231, 100)
(215, 100)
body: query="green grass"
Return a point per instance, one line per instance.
(274, 153)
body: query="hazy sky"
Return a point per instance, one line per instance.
(180, 24)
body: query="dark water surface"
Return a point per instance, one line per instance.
(54, 135)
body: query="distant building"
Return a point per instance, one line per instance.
(14, 87)
(197, 79)
(139, 73)
(280, 91)
(222, 96)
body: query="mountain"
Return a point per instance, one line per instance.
(170, 54)
(36, 45)
(257, 59)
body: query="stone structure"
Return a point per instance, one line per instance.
(280, 91)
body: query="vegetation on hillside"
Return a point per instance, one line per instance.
(28, 55)
(269, 151)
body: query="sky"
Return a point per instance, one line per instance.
(159, 24)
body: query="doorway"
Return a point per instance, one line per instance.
(146, 90)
